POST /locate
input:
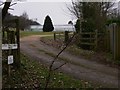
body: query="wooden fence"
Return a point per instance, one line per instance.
(108, 41)
(90, 39)
(114, 30)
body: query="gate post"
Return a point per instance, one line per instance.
(66, 36)
(18, 42)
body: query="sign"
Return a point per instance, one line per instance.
(9, 46)
(5, 47)
(10, 59)
(13, 46)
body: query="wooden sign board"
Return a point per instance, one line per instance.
(4, 46)
(10, 59)
(9, 46)
(13, 46)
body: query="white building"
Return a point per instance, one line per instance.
(66, 27)
(36, 27)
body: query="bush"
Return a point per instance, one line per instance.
(48, 26)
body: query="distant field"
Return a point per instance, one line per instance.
(28, 33)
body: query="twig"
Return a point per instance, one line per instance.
(51, 65)
(2, 3)
(11, 8)
(13, 4)
(59, 66)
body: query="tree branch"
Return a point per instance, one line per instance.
(5, 9)
(59, 66)
(51, 65)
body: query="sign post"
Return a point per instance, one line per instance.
(11, 45)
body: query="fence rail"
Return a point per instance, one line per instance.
(90, 40)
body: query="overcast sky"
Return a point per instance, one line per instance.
(39, 9)
(56, 10)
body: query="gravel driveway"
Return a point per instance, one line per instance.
(91, 71)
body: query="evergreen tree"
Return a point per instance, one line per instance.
(77, 26)
(48, 26)
(70, 22)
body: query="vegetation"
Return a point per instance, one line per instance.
(29, 33)
(24, 21)
(48, 26)
(70, 22)
(33, 74)
(77, 26)
(100, 56)
(91, 17)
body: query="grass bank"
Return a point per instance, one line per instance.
(33, 74)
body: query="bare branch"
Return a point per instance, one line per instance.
(13, 4)
(51, 65)
(59, 66)
(11, 8)
(2, 3)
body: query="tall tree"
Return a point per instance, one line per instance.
(48, 26)
(77, 26)
(91, 13)
(23, 19)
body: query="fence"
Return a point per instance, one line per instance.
(110, 40)
(114, 30)
(90, 39)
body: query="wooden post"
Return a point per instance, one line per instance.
(9, 53)
(117, 41)
(54, 36)
(114, 35)
(96, 39)
(107, 37)
(13, 42)
(90, 41)
(18, 42)
(3, 36)
(66, 36)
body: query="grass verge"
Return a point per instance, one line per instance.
(29, 33)
(100, 57)
(33, 74)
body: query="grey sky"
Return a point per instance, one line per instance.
(56, 10)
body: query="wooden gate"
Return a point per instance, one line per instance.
(89, 39)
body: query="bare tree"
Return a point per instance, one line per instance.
(5, 8)
(97, 11)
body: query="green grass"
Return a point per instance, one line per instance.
(87, 54)
(33, 74)
(29, 33)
